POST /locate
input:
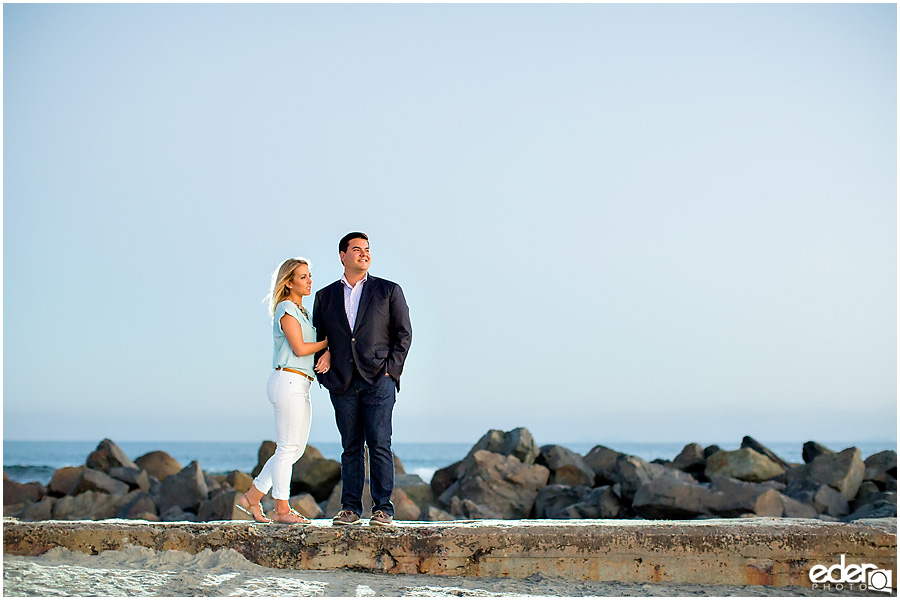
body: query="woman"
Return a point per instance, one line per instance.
(288, 389)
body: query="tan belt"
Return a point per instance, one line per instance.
(294, 371)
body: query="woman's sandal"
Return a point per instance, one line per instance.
(298, 518)
(249, 510)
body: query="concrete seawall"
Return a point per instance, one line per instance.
(761, 551)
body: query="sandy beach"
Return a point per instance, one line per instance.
(137, 571)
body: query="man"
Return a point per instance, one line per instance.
(366, 321)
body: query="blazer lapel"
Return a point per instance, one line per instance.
(368, 290)
(339, 306)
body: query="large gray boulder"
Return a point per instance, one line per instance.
(108, 455)
(433, 513)
(404, 508)
(878, 510)
(813, 449)
(90, 505)
(691, 460)
(749, 442)
(97, 481)
(745, 464)
(316, 475)
(669, 498)
(239, 481)
(566, 467)
(602, 461)
(823, 498)
(158, 464)
(598, 503)
(415, 488)
(218, 508)
(734, 498)
(552, 500)
(63, 479)
(15, 492)
(797, 510)
(501, 484)
(517, 442)
(135, 478)
(881, 466)
(138, 507)
(38, 511)
(306, 505)
(444, 478)
(844, 471)
(632, 472)
(185, 490)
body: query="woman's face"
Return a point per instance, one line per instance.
(301, 282)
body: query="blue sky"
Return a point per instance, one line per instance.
(611, 222)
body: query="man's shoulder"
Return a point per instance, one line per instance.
(329, 288)
(382, 282)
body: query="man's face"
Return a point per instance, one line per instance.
(357, 257)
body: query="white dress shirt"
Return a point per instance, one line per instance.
(351, 298)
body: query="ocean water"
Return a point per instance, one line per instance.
(36, 461)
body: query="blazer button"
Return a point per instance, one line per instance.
(353, 340)
(351, 360)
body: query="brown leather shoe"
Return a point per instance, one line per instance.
(345, 517)
(381, 518)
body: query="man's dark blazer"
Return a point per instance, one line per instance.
(378, 343)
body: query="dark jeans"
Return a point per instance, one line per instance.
(363, 414)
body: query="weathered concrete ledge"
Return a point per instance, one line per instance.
(717, 551)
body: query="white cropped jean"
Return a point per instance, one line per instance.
(289, 394)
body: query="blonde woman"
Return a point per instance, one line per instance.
(288, 389)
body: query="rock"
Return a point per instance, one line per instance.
(146, 517)
(108, 455)
(867, 493)
(823, 498)
(433, 513)
(733, 498)
(552, 500)
(501, 485)
(444, 478)
(710, 450)
(14, 510)
(239, 481)
(404, 508)
(217, 508)
(267, 449)
(138, 507)
(632, 472)
(749, 442)
(566, 467)
(745, 464)
(473, 510)
(305, 504)
(316, 476)
(843, 471)
(517, 442)
(135, 478)
(797, 510)
(158, 464)
(398, 465)
(63, 479)
(691, 460)
(175, 513)
(97, 481)
(598, 503)
(880, 466)
(813, 449)
(880, 509)
(415, 488)
(91, 505)
(39, 511)
(213, 487)
(15, 492)
(185, 490)
(669, 498)
(602, 461)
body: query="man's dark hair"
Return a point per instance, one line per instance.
(345, 241)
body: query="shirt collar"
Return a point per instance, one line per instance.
(346, 283)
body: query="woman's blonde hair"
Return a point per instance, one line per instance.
(277, 288)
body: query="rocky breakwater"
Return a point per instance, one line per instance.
(155, 487)
(507, 476)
